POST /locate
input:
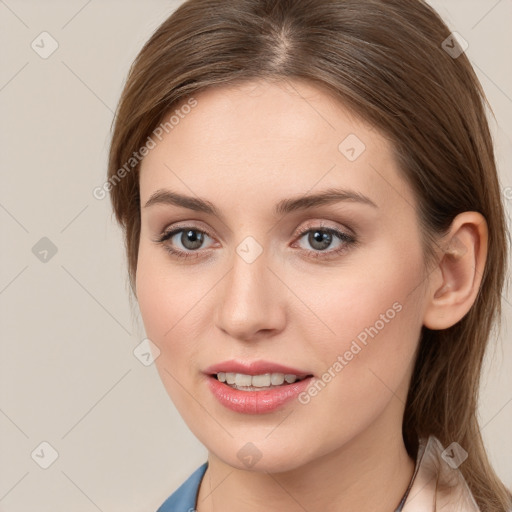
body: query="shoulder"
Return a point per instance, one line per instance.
(184, 498)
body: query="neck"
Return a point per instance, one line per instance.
(370, 472)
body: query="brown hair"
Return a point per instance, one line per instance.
(385, 60)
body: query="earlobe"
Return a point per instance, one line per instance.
(455, 283)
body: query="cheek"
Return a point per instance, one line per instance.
(154, 297)
(378, 287)
(170, 309)
(166, 298)
(374, 319)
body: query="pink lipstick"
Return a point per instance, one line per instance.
(255, 387)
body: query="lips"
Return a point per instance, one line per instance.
(264, 400)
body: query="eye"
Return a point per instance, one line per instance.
(183, 242)
(322, 237)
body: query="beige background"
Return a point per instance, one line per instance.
(68, 375)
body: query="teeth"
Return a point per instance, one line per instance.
(276, 379)
(243, 380)
(258, 381)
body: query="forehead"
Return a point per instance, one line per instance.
(271, 140)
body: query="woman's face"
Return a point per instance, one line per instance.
(332, 289)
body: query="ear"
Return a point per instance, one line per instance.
(455, 281)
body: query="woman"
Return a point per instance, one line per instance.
(316, 240)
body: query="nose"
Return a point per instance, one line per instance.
(251, 301)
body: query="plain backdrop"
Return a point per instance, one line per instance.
(68, 374)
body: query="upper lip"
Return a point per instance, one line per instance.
(254, 368)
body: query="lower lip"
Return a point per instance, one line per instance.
(256, 402)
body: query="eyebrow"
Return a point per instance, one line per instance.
(304, 202)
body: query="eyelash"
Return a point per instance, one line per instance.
(348, 241)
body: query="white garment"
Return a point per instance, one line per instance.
(438, 484)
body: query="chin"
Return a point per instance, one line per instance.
(265, 456)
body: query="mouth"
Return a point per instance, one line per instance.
(255, 387)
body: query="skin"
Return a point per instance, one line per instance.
(244, 148)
